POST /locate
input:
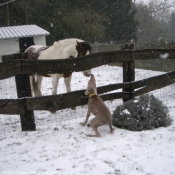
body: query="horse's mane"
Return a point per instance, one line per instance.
(66, 47)
(67, 42)
(70, 41)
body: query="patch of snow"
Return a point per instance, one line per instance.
(126, 112)
(164, 56)
(60, 145)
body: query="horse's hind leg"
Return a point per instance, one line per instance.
(67, 81)
(39, 81)
(31, 84)
(55, 79)
(36, 85)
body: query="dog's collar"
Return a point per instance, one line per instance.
(91, 95)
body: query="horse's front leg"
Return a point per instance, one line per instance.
(67, 81)
(55, 79)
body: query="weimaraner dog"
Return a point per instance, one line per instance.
(97, 107)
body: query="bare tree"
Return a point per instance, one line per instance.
(153, 18)
(160, 5)
(161, 9)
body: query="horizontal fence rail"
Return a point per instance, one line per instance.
(77, 98)
(18, 64)
(23, 66)
(57, 102)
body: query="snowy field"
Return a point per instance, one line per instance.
(59, 146)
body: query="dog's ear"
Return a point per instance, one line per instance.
(86, 92)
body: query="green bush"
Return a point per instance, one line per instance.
(143, 113)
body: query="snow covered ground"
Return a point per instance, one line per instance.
(59, 146)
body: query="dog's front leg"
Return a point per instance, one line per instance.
(87, 117)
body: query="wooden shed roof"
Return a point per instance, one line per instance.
(21, 31)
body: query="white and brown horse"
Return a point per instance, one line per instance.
(67, 48)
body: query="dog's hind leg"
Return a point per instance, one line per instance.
(97, 134)
(95, 123)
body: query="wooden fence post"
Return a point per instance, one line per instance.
(24, 90)
(128, 71)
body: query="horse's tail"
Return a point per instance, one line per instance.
(34, 86)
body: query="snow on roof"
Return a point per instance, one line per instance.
(21, 31)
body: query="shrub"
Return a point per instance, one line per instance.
(143, 113)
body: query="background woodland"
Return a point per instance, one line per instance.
(94, 21)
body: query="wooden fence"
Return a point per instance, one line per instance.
(103, 47)
(17, 64)
(149, 64)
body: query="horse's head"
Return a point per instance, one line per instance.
(83, 48)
